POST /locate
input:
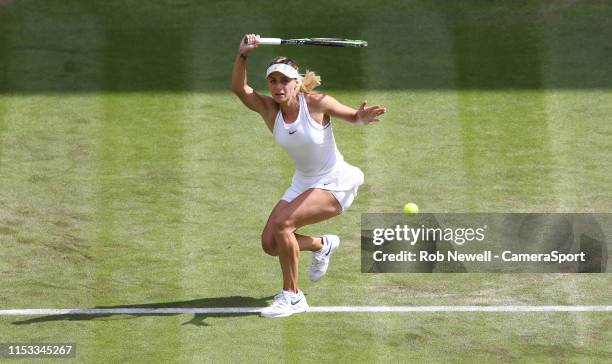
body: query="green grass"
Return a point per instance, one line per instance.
(129, 174)
(362, 337)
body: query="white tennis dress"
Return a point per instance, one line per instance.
(316, 158)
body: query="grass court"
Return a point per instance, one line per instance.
(130, 176)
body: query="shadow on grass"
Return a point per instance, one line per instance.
(197, 320)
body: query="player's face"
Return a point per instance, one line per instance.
(282, 87)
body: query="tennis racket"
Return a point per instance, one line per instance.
(325, 42)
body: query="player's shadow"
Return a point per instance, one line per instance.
(197, 320)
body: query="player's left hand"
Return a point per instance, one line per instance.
(369, 115)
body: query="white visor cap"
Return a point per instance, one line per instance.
(283, 68)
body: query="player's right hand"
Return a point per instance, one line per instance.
(248, 43)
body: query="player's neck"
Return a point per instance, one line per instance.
(292, 106)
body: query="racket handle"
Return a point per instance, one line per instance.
(270, 41)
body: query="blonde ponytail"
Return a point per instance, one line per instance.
(310, 80)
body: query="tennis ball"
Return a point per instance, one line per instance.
(411, 208)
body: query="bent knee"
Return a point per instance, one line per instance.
(268, 245)
(282, 226)
(271, 251)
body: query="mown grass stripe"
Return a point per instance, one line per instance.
(320, 309)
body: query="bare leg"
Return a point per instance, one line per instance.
(312, 206)
(309, 243)
(268, 243)
(288, 257)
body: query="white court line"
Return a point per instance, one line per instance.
(333, 309)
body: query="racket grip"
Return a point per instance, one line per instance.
(270, 41)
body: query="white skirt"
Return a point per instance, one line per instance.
(343, 182)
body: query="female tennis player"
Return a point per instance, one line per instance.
(323, 185)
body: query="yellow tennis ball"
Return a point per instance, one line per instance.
(411, 208)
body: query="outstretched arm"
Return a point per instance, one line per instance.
(362, 116)
(240, 88)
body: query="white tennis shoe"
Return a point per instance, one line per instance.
(286, 304)
(320, 259)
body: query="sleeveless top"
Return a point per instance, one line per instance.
(313, 151)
